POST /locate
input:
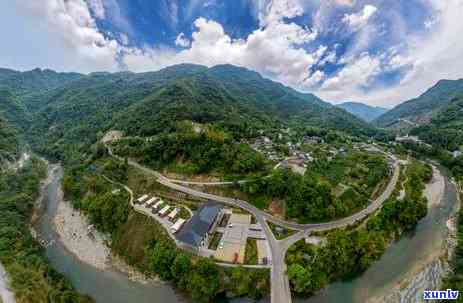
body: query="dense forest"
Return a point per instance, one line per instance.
(446, 129)
(348, 253)
(9, 143)
(191, 152)
(60, 110)
(32, 279)
(310, 198)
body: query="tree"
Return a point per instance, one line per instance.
(180, 270)
(204, 281)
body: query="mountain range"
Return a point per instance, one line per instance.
(69, 107)
(363, 111)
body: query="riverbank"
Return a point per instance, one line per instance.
(79, 236)
(6, 295)
(87, 244)
(428, 272)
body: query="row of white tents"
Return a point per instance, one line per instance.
(160, 207)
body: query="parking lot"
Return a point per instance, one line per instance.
(232, 247)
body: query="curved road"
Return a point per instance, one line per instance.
(280, 290)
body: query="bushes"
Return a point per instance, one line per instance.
(204, 152)
(309, 198)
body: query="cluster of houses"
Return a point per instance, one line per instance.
(265, 146)
(163, 210)
(411, 139)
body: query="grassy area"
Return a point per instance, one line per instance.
(134, 237)
(250, 256)
(184, 214)
(214, 243)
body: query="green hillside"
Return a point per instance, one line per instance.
(85, 106)
(9, 144)
(422, 109)
(446, 128)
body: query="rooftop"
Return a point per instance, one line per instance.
(194, 230)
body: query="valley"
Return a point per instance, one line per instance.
(219, 181)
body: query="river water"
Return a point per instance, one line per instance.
(112, 286)
(104, 286)
(408, 255)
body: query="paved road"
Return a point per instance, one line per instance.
(280, 290)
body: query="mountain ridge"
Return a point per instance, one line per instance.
(420, 110)
(363, 111)
(77, 108)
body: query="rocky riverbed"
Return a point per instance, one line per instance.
(90, 246)
(80, 238)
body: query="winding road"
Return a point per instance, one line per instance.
(280, 289)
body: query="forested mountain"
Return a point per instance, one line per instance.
(23, 93)
(446, 127)
(78, 108)
(363, 111)
(9, 143)
(421, 110)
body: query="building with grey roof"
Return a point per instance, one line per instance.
(195, 232)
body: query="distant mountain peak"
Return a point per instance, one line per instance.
(363, 111)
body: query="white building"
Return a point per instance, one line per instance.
(176, 227)
(151, 201)
(164, 211)
(173, 214)
(158, 204)
(142, 198)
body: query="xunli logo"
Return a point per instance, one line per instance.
(440, 294)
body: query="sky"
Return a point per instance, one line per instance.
(380, 52)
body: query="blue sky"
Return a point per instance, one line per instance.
(380, 52)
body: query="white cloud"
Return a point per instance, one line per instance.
(276, 10)
(63, 35)
(182, 41)
(56, 34)
(358, 20)
(430, 58)
(353, 77)
(97, 8)
(274, 50)
(124, 38)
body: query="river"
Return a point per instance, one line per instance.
(108, 286)
(401, 258)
